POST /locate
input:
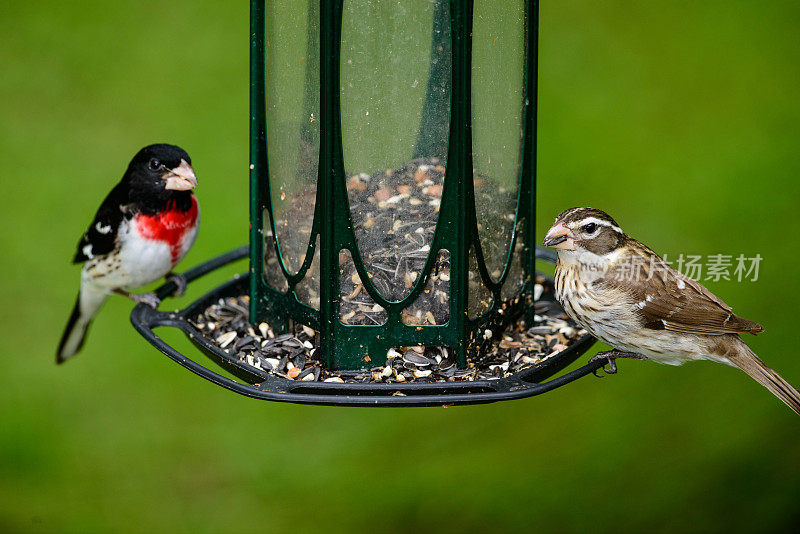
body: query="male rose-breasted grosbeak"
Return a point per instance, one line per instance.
(622, 293)
(143, 228)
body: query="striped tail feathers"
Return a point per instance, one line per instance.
(747, 361)
(88, 303)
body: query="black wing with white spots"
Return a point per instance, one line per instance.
(101, 237)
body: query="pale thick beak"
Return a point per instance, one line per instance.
(560, 237)
(181, 178)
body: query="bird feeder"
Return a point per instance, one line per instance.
(392, 199)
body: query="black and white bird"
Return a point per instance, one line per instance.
(143, 229)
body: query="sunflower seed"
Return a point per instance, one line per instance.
(226, 339)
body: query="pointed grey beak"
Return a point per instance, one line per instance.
(560, 237)
(181, 178)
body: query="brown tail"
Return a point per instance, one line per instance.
(747, 361)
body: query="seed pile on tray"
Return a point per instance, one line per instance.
(292, 356)
(394, 214)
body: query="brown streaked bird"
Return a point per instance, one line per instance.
(626, 296)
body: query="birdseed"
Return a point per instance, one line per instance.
(293, 355)
(395, 214)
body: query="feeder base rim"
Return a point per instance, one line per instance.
(526, 383)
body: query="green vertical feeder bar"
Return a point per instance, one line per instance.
(527, 187)
(345, 346)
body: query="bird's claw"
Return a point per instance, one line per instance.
(180, 283)
(612, 369)
(611, 363)
(611, 356)
(147, 298)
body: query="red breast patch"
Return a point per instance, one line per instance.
(170, 226)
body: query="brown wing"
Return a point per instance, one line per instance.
(671, 301)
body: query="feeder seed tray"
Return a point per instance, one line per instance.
(292, 356)
(355, 388)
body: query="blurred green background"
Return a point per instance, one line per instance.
(679, 118)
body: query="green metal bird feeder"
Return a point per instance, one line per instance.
(392, 203)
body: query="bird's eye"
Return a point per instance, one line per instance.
(155, 164)
(589, 228)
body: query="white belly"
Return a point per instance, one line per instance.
(138, 262)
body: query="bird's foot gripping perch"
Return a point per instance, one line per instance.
(611, 356)
(148, 298)
(180, 283)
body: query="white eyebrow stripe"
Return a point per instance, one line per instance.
(601, 222)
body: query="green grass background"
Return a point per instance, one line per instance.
(679, 118)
